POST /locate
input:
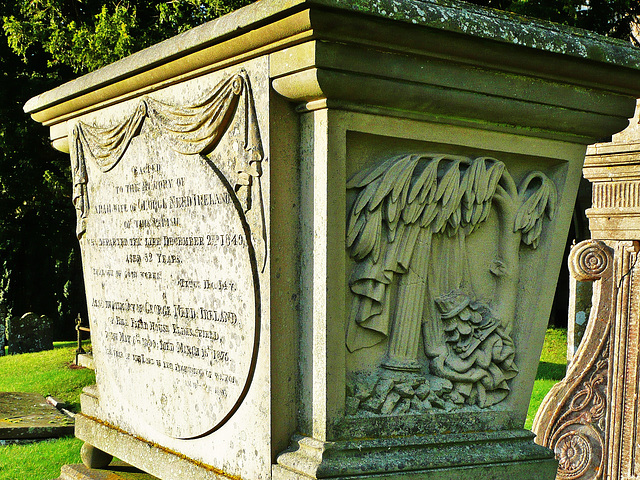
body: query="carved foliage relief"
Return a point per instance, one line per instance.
(579, 439)
(407, 232)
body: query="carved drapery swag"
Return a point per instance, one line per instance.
(190, 130)
(407, 232)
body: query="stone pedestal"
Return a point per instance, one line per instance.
(590, 418)
(321, 238)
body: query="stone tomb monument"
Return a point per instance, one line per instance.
(320, 238)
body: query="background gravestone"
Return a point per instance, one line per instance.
(28, 416)
(3, 338)
(30, 333)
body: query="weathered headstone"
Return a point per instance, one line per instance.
(320, 238)
(28, 416)
(590, 418)
(29, 333)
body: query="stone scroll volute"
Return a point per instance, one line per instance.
(412, 286)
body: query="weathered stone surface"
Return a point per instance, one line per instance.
(29, 333)
(176, 266)
(171, 268)
(454, 457)
(116, 471)
(611, 168)
(341, 220)
(147, 456)
(25, 416)
(85, 360)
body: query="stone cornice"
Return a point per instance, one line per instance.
(453, 60)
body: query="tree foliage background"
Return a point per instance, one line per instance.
(44, 44)
(48, 42)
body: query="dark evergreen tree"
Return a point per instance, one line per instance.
(46, 43)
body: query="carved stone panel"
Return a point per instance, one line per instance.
(173, 242)
(413, 286)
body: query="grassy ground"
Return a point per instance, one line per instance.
(553, 365)
(38, 461)
(47, 373)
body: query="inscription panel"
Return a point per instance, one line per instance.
(170, 277)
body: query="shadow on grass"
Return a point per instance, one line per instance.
(551, 371)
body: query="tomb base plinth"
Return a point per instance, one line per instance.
(117, 471)
(482, 456)
(145, 455)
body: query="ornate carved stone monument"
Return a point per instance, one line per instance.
(321, 238)
(590, 418)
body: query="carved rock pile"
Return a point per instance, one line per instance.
(388, 395)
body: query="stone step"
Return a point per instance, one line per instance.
(116, 471)
(85, 360)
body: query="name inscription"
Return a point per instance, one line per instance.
(170, 288)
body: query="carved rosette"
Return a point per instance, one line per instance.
(575, 451)
(191, 130)
(411, 215)
(579, 441)
(588, 261)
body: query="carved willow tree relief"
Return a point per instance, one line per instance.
(191, 130)
(407, 232)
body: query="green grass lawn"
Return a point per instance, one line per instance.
(553, 365)
(47, 373)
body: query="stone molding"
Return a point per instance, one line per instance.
(612, 168)
(515, 79)
(572, 419)
(311, 458)
(588, 419)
